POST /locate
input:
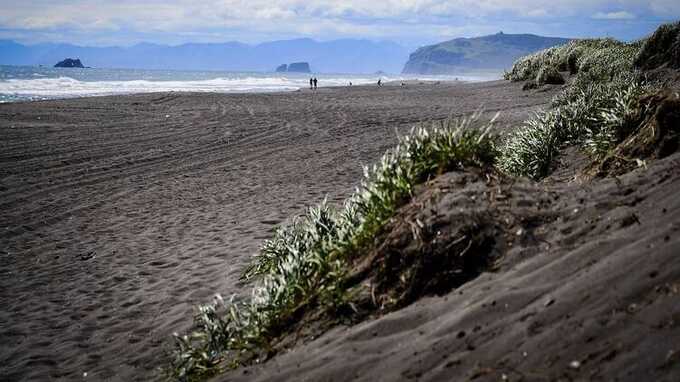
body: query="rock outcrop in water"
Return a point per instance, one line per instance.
(69, 63)
(295, 67)
(299, 67)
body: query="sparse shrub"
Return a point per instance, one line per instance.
(305, 234)
(652, 132)
(549, 75)
(577, 50)
(614, 120)
(572, 63)
(526, 68)
(661, 48)
(565, 57)
(424, 153)
(607, 63)
(595, 117)
(529, 85)
(530, 150)
(593, 111)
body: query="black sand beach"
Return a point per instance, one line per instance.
(119, 214)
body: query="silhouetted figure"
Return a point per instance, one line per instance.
(315, 83)
(350, 83)
(379, 81)
(311, 83)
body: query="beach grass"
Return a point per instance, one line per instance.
(592, 112)
(304, 265)
(594, 117)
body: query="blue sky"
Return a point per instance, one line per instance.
(409, 22)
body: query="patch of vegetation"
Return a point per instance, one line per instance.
(573, 56)
(594, 111)
(433, 244)
(596, 118)
(302, 268)
(549, 75)
(661, 49)
(653, 132)
(531, 149)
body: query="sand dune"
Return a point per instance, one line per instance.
(119, 214)
(587, 289)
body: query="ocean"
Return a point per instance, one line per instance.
(29, 83)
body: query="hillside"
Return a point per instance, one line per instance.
(496, 51)
(336, 56)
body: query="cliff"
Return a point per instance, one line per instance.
(496, 51)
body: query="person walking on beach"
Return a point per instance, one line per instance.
(315, 81)
(311, 83)
(379, 81)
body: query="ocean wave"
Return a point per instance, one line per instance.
(70, 87)
(36, 85)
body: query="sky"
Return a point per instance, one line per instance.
(408, 22)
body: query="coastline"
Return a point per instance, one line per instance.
(19, 83)
(391, 83)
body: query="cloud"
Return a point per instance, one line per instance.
(250, 20)
(670, 8)
(620, 15)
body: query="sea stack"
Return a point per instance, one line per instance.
(69, 63)
(299, 67)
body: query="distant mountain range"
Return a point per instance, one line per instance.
(338, 56)
(496, 51)
(456, 56)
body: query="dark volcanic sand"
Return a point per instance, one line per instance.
(589, 291)
(119, 214)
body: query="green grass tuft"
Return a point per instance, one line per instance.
(530, 150)
(592, 112)
(549, 75)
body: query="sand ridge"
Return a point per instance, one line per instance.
(586, 290)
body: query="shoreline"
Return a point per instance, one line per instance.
(391, 83)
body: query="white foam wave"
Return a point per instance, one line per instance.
(69, 87)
